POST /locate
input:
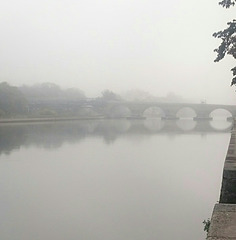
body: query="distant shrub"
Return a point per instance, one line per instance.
(2, 113)
(47, 112)
(206, 224)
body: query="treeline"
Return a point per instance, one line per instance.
(50, 91)
(48, 99)
(12, 101)
(17, 101)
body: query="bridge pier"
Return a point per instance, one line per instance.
(230, 119)
(170, 114)
(202, 116)
(203, 113)
(170, 117)
(202, 126)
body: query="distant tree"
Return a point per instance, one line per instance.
(227, 3)
(228, 37)
(143, 96)
(139, 96)
(50, 91)
(12, 101)
(74, 93)
(46, 112)
(172, 97)
(206, 224)
(2, 113)
(108, 95)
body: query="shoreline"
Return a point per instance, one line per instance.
(61, 119)
(55, 119)
(222, 224)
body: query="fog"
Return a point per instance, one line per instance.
(155, 46)
(113, 170)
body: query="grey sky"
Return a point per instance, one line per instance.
(157, 46)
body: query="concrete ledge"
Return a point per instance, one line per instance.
(223, 222)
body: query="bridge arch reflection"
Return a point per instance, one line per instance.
(186, 113)
(221, 125)
(186, 124)
(154, 125)
(54, 134)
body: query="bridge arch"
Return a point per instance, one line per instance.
(221, 113)
(168, 110)
(153, 112)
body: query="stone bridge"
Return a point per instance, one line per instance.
(116, 109)
(167, 110)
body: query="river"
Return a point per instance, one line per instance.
(110, 179)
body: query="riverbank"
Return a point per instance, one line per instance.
(57, 119)
(223, 221)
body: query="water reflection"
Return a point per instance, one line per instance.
(53, 135)
(154, 125)
(186, 124)
(221, 125)
(158, 180)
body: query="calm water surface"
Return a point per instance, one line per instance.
(110, 180)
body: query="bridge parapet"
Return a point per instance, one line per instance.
(203, 115)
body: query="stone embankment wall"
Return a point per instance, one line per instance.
(223, 221)
(228, 189)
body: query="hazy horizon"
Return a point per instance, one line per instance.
(154, 46)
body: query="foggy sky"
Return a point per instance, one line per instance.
(153, 45)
